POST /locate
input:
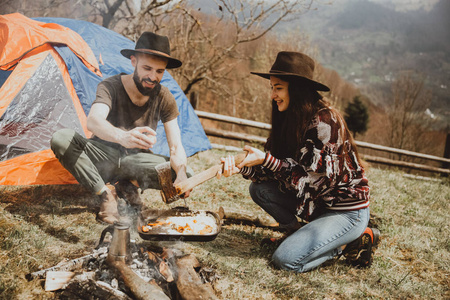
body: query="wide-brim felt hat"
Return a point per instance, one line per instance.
(153, 44)
(294, 65)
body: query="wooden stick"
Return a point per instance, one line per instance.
(201, 177)
(67, 266)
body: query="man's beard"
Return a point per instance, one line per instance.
(145, 90)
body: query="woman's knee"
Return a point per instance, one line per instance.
(255, 192)
(264, 192)
(283, 261)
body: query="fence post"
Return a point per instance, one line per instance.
(193, 98)
(446, 165)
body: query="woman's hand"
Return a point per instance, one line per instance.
(229, 167)
(254, 157)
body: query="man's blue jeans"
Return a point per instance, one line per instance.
(317, 241)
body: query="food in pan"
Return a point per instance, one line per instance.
(198, 224)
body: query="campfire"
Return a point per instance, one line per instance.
(122, 269)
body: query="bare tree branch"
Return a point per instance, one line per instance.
(406, 113)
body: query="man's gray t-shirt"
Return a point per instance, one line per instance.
(126, 115)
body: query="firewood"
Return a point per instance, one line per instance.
(165, 271)
(141, 289)
(189, 283)
(247, 218)
(55, 280)
(80, 288)
(69, 265)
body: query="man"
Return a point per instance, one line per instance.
(123, 119)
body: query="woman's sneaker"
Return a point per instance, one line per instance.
(359, 253)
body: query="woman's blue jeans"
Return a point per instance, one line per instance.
(317, 241)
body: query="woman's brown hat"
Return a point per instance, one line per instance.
(154, 44)
(294, 65)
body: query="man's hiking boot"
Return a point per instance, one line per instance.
(108, 206)
(129, 192)
(359, 253)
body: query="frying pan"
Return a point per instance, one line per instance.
(165, 233)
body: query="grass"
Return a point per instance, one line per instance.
(42, 225)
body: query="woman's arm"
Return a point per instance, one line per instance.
(318, 163)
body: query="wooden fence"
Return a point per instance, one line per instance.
(444, 162)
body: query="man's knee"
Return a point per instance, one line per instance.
(61, 140)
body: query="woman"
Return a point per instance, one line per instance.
(310, 169)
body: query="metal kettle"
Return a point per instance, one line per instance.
(119, 248)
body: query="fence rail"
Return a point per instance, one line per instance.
(382, 160)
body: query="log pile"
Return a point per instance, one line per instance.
(154, 273)
(151, 273)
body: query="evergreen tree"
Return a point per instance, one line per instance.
(356, 116)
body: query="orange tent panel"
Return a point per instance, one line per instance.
(34, 168)
(19, 35)
(39, 167)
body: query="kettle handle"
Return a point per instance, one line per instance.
(109, 229)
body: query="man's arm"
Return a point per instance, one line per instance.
(139, 137)
(178, 159)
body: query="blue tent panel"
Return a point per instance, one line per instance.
(4, 76)
(84, 81)
(106, 45)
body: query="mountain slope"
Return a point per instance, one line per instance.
(368, 44)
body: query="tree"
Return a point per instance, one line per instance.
(406, 114)
(211, 44)
(356, 116)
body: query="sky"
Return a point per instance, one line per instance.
(402, 5)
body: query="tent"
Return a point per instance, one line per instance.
(49, 72)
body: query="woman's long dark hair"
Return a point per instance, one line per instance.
(288, 127)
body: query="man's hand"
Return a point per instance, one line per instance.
(139, 137)
(181, 176)
(178, 159)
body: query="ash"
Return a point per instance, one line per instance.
(140, 263)
(157, 265)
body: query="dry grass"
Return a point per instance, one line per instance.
(40, 226)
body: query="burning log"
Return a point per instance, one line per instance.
(138, 286)
(122, 271)
(189, 284)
